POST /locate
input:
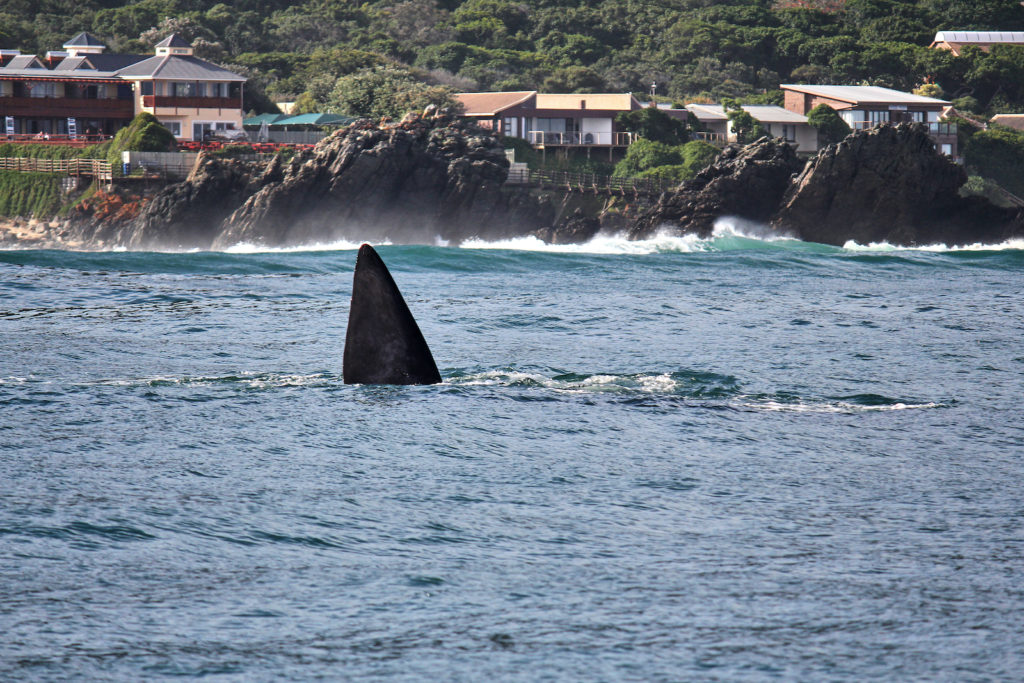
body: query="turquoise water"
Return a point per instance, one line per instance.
(673, 460)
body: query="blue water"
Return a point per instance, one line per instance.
(726, 460)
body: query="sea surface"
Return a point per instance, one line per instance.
(730, 459)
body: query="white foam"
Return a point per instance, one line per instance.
(837, 407)
(601, 244)
(884, 247)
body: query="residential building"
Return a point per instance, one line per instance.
(956, 41)
(779, 122)
(1015, 121)
(867, 106)
(553, 120)
(82, 90)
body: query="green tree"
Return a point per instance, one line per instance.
(644, 155)
(385, 91)
(997, 154)
(830, 126)
(655, 125)
(744, 126)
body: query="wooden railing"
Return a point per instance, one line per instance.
(159, 101)
(712, 138)
(544, 138)
(935, 128)
(589, 182)
(94, 168)
(63, 107)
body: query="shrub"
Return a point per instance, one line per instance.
(998, 154)
(830, 126)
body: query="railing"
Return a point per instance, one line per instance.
(588, 182)
(153, 101)
(1007, 195)
(174, 165)
(52, 139)
(95, 168)
(63, 107)
(712, 138)
(935, 128)
(543, 138)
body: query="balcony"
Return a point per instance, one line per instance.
(540, 138)
(64, 107)
(166, 102)
(936, 129)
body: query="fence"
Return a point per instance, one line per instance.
(596, 139)
(589, 182)
(95, 168)
(173, 164)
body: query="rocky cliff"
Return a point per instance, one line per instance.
(889, 184)
(747, 182)
(418, 181)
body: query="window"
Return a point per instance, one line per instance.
(789, 132)
(41, 89)
(174, 127)
(878, 116)
(147, 87)
(183, 89)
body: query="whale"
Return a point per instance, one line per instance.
(383, 343)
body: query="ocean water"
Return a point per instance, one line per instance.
(730, 459)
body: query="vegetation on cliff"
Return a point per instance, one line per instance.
(29, 194)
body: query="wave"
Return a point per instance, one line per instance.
(885, 247)
(681, 388)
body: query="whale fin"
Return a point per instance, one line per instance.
(383, 344)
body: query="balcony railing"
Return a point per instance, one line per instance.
(935, 128)
(541, 138)
(163, 101)
(713, 138)
(64, 107)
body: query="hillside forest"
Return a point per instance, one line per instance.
(333, 55)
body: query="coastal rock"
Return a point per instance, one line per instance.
(747, 182)
(889, 184)
(418, 181)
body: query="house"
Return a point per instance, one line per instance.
(82, 90)
(779, 122)
(1015, 121)
(553, 120)
(955, 41)
(867, 106)
(191, 96)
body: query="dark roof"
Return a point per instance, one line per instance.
(173, 40)
(84, 39)
(113, 62)
(178, 67)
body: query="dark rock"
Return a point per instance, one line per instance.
(747, 182)
(889, 184)
(575, 229)
(417, 182)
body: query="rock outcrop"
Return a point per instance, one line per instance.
(889, 184)
(747, 182)
(418, 181)
(413, 182)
